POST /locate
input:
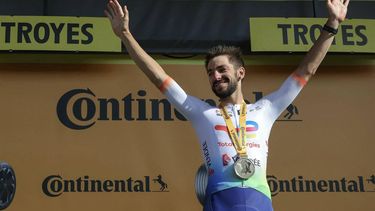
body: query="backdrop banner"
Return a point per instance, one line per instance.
(102, 137)
(48, 33)
(299, 34)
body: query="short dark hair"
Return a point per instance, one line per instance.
(234, 55)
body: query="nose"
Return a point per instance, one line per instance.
(216, 75)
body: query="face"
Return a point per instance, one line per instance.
(223, 76)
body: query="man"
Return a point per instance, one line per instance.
(237, 173)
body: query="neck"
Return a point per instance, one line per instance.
(235, 98)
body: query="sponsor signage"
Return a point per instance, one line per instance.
(114, 163)
(46, 33)
(301, 184)
(80, 109)
(55, 185)
(298, 35)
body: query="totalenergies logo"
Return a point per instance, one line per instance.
(251, 128)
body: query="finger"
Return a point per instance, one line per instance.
(329, 2)
(114, 7)
(346, 3)
(118, 7)
(110, 10)
(126, 10)
(108, 14)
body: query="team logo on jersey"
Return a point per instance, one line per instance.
(226, 159)
(257, 108)
(207, 157)
(230, 144)
(235, 158)
(211, 171)
(251, 128)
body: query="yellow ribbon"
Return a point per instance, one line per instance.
(239, 142)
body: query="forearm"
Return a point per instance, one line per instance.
(316, 54)
(144, 61)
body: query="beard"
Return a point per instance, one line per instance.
(222, 94)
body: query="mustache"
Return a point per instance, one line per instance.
(220, 81)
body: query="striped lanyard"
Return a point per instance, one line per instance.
(239, 141)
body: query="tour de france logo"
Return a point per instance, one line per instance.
(7, 185)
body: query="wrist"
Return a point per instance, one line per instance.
(331, 26)
(330, 30)
(333, 23)
(125, 34)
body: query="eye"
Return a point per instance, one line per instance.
(222, 69)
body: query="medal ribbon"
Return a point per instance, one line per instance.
(239, 141)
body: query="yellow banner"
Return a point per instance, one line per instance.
(298, 34)
(42, 33)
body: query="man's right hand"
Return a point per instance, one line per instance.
(119, 17)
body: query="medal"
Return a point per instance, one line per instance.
(244, 168)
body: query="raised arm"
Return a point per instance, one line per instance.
(119, 18)
(281, 98)
(337, 11)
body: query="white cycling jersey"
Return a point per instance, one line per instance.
(217, 149)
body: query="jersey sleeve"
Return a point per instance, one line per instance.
(284, 96)
(187, 105)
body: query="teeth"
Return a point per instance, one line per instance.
(218, 83)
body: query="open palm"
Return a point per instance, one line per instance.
(119, 17)
(337, 9)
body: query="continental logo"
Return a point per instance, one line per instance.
(80, 109)
(299, 184)
(56, 185)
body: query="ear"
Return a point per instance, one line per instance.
(240, 73)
